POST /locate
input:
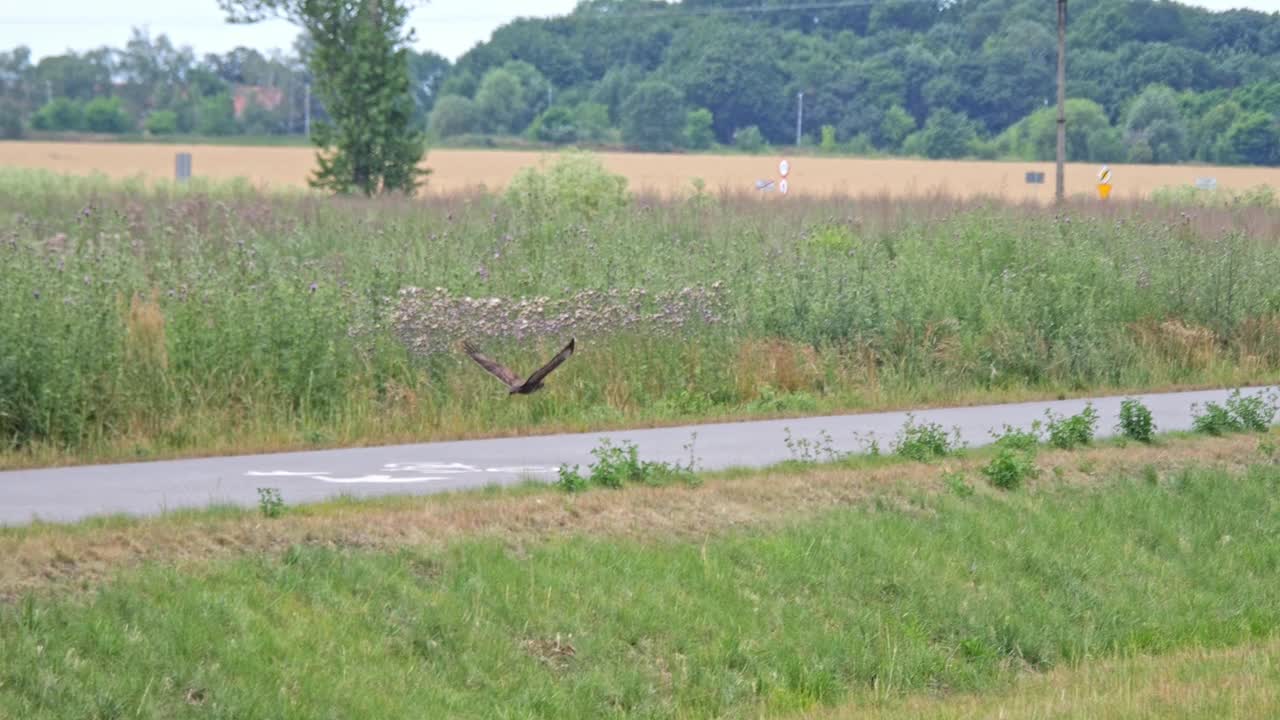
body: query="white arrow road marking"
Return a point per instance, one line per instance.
(378, 479)
(432, 467)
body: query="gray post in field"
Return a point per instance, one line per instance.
(799, 116)
(183, 169)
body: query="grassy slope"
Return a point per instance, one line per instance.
(1197, 684)
(893, 594)
(160, 323)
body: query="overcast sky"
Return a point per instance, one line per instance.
(449, 27)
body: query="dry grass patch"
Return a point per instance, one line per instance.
(1237, 682)
(80, 557)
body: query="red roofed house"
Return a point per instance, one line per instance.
(265, 96)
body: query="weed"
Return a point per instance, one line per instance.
(1150, 475)
(1017, 439)
(1135, 421)
(619, 465)
(1268, 450)
(1010, 468)
(1074, 431)
(1254, 413)
(956, 484)
(570, 479)
(1214, 419)
(925, 442)
(270, 504)
(808, 451)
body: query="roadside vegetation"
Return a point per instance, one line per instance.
(146, 322)
(797, 589)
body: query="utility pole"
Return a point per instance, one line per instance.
(1060, 192)
(799, 116)
(306, 111)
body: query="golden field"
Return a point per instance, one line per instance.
(457, 170)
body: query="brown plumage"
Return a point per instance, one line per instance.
(516, 386)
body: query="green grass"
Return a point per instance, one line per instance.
(140, 321)
(1196, 684)
(952, 593)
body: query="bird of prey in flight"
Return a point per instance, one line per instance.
(515, 385)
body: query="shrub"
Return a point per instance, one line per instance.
(924, 442)
(59, 114)
(270, 504)
(619, 465)
(1240, 414)
(105, 115)
(1214, 420)
(162, 122)
(1074, 431)
(698, 132)
(1255, 413)
(577, 183)
(1136, 422)
(1010, 468)
(1016, 439)
(749, 139)
(11, 122)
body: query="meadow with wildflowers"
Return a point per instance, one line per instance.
(147, 321)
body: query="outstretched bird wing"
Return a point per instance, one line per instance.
(545, 370)
(500, 371)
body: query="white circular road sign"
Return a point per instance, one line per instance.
(784, 167)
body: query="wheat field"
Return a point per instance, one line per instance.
(665, 174)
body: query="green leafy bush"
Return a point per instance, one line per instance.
(576, 183)
(924, 442)
(1010, 468)
(1136, 422)
(1074, 431)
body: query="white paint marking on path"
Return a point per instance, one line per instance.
(432, 467)
(378, 479)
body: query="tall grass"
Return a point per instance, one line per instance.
(947, 593)
(139, 320)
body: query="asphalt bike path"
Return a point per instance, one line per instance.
(73, 493)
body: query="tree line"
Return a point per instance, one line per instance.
(1147, 81)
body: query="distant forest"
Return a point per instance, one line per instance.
(1147, 81)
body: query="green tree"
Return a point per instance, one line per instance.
(556, 125)
(216, 116)
(359, 57)
(698, 131)
(749, 139)
(453, 115)
(592, 120)
(60, 114)
(500, 101)
(12, 125)
(895, 126)
(162, 122)
(946, 134)
(1209, 130)
(828, 144)
(1255, 139)
(1155, 128)
(653, 116)
(1090, 136)
(105, 115)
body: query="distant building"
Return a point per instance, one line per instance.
(265, 96)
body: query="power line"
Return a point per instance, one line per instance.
(674, 11)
